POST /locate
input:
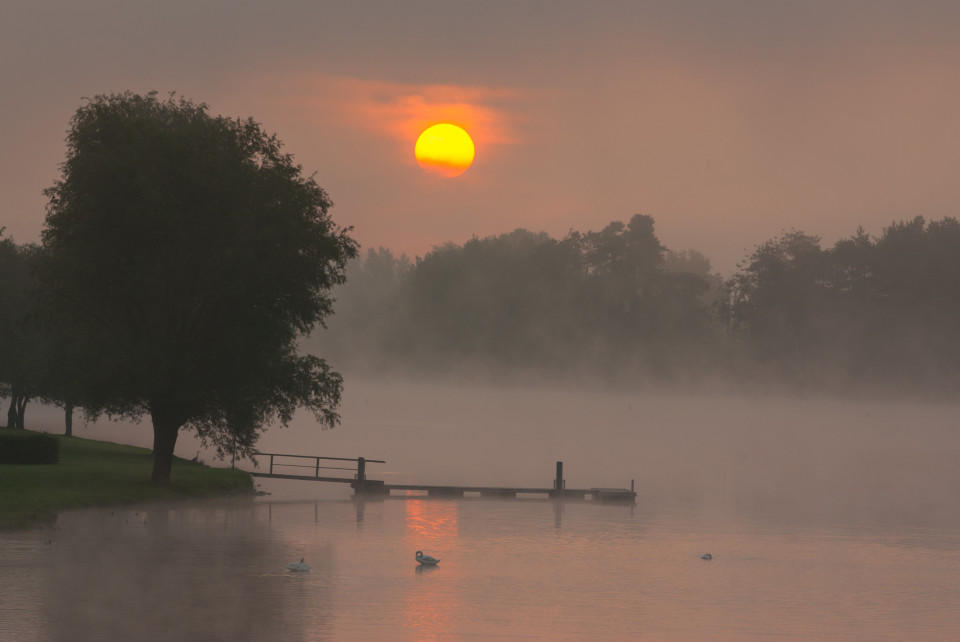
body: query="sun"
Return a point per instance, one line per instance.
(444, 149)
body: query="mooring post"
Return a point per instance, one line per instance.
(361, 472)
(558, 482)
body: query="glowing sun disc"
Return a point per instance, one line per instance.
(444, 149)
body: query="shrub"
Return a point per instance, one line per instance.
(24, 447)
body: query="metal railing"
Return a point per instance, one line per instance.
(316, 467)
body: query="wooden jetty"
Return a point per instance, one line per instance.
(283, 466)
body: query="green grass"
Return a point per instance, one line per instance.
(97, 473)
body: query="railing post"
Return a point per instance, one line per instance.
(271, 464)
(317, 473)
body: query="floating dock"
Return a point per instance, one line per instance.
(283, 466)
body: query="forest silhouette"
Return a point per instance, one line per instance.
(868, 313)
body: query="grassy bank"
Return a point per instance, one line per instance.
(94, 473)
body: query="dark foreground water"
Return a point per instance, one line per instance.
(827, 520)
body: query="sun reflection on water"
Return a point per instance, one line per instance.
(434, 596)
(431, 522)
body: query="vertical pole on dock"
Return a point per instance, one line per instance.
(361, 472)
(558, 482)
(271, 464)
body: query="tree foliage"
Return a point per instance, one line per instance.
(866, 310)
(779, 294)
(183, 256)
(597, 302)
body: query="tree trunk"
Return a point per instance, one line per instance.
(12, 412)
(21, 411)
(165, 432)
(18, 404)
(68, 418)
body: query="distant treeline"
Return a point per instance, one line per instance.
(867, 313)
(617, 304)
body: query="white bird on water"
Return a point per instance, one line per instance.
(426, 559)
(298, 567)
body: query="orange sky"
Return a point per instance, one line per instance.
(727, 122)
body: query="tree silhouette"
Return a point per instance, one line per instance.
(183, 255)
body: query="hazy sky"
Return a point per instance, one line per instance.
(726, 121)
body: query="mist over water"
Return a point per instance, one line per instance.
(827, 519)
(810, 456)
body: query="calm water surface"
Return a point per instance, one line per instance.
(826, 519)
(510, 570)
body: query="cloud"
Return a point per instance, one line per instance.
(401, 111)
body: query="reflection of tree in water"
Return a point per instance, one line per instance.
(181, 574)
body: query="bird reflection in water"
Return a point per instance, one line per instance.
(425, 568)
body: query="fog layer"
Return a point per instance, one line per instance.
(773, 456)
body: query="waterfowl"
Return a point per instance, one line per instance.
(426, 559)
(706, 556)
(298, 567)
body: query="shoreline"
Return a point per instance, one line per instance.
(93, 473)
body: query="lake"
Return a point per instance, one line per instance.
(826, 519)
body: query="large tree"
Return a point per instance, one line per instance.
(183, 256)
